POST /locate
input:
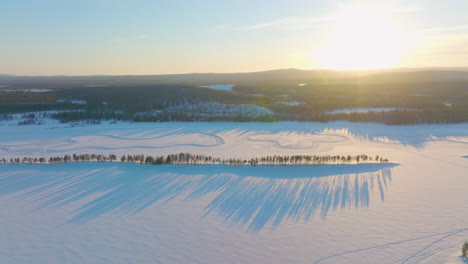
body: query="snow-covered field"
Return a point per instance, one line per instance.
(412, 210)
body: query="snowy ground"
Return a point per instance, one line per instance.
(412, 210)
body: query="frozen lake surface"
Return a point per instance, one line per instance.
(291, 102)
(363, 110)
(24, 91)
(412, 210)
(223, 87)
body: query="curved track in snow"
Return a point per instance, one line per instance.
(309, 141)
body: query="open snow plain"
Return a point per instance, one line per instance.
(411, 210)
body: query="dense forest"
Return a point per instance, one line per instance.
(190, 159)
(414, 97)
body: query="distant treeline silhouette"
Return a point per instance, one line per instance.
(190, 159)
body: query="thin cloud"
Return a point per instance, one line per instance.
(447, 46)
(406, 9)
(445, 29)
(439, 34)
(299, 22)
(292, 22)
(142, 36)
(118, 39)
(122, 39)
(219, 27)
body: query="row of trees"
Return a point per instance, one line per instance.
(454, 114)
(163, 116)
(187, 158)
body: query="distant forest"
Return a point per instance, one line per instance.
(418, 97)
(190, 159)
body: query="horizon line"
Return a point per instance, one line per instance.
(429, 68)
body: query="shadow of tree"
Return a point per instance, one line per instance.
(244, 195)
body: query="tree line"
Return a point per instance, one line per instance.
(163, 116)
(453, 114)
(191, 159)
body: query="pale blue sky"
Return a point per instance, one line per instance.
(52, 37)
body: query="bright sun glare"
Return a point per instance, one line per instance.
(363, 38)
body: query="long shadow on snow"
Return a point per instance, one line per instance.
(244, 195)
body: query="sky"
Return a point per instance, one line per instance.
(91, 37)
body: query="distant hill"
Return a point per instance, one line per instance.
(301, 76)
(418, 76)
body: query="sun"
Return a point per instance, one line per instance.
(363, 38)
